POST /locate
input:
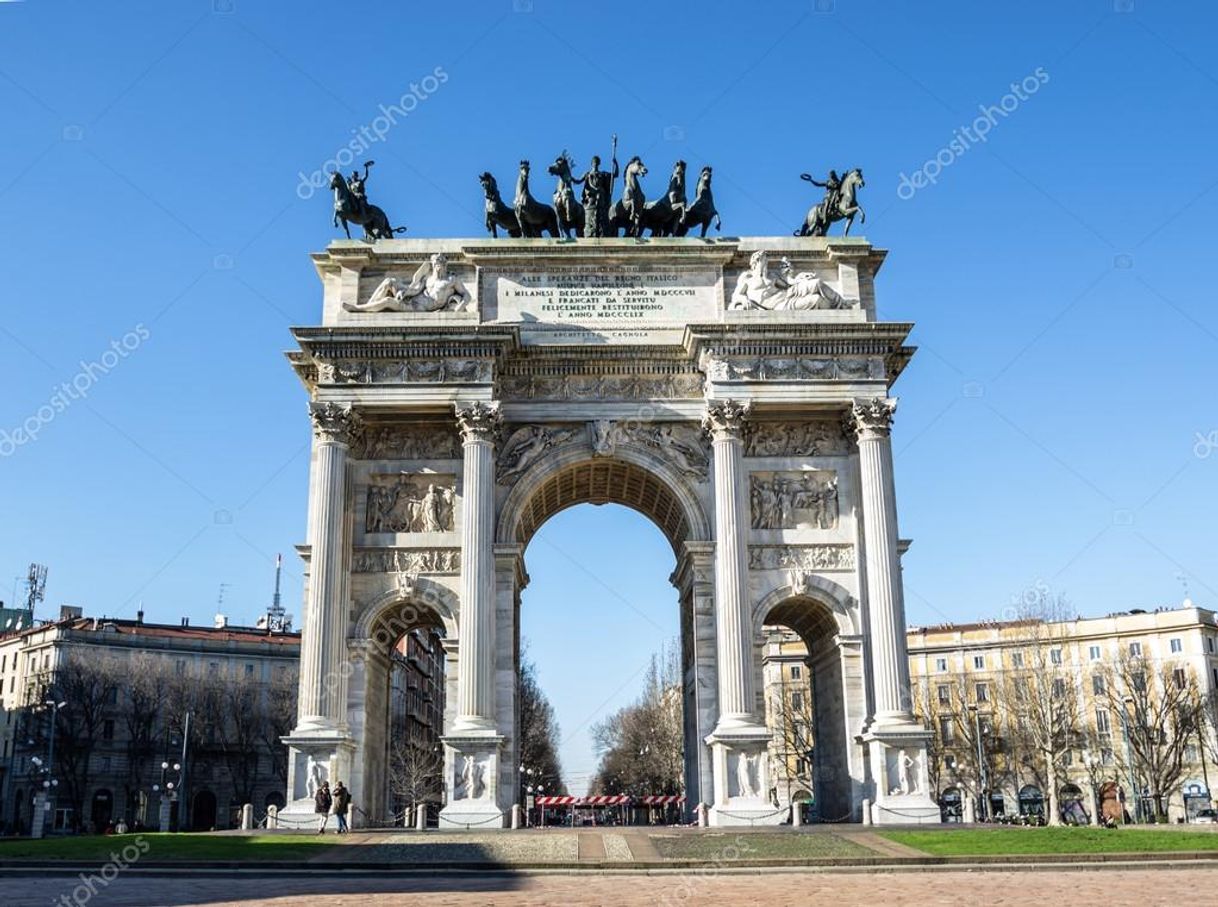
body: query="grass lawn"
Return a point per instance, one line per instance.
(97, 848)
(730, 847)
(972, 842)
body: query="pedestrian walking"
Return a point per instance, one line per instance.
(342, 800)
(322, 801)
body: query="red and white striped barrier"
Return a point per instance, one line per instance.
(661, 800)
(611, 800)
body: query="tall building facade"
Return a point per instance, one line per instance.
(121, 696)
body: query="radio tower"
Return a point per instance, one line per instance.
(36, 586)
(275, 616)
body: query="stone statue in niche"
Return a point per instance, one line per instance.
(470, 784)
(410, 503)
(745, 765)
(756, 288)
(315, 776)
(526, 444)
(793, 500)
(432, 289)
(820, 438)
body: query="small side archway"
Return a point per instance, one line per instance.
(808, 639)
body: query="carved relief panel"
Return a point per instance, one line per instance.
(814, 438)
(794, 500)
(410, 503)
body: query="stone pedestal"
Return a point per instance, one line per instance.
(312, 760)
(471, 783)
(40, 816)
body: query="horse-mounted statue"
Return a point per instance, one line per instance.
(628, 212)
(663, 216)
(702, 211)
(840, 203)
(498, 214)
(570, 212)
(535, 217)
(351, 206)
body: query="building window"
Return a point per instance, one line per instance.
(112, 695)
(105, 763)
(947, 729)
(1017, 659)
(801, 766)
(1180, 677)
(179, 667)
(796, 673)
(797, 700)
(1094, 653)
(1107, 756)
(945, 694)
(1190, 753)
(1098, 686)
(979, 662)
(213, 668)
(1209, 643)
(1139, 681)
(1177, 646)
(108, 729)
(1135, 650)
(1102, 723)
(249, 670)
(941, 665)
(1059, 688)
(1055, 656)
(983, 692)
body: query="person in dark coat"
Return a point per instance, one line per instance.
(321, 805)
(342, 802)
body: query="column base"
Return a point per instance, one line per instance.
(313, 759)
(746, 812)
(471, 781)
(897, 748)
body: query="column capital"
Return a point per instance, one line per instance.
(871, 417)
(725, 419)
(335, 422)
(478, 421)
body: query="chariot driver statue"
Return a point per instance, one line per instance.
(359, 194)
(597, 193)
(832, 186)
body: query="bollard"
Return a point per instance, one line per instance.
(969, 813)
(797, 815)
(38, 820)
(867, 817)
(420, 817)
(703, 818)
(163, 814)
(272, 816)
(247, 817)
(517, 815)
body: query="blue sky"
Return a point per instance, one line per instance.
(1055, 428)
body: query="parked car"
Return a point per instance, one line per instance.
(1206, 817)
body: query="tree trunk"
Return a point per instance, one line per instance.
(1054, 813)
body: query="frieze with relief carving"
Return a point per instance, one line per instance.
(813, 438)
(801, 557)
(417, 441)
(410, 503)
(406, 560)
(404, 371)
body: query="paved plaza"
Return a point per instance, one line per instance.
(1112, 887)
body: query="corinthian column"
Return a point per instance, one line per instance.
(872, 422)
(479, 424)
(322, 702)
(725, 420)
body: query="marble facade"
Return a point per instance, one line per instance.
(757, 439)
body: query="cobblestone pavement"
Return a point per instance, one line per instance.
(1177, 886)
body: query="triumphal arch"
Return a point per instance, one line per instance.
(734, 391)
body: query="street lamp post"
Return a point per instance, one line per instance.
(983, 811)
(1133, 783)
(50, 782)
(169, 793)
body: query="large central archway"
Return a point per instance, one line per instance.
(636, 478)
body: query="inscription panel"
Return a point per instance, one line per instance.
(599, 304)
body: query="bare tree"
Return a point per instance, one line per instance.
(142, 707)
(791, 720)
(641, 746)
(278, 719)
(539, 733)
(1162, 709)
(1038, 694)
(415, 774)
(88, 689)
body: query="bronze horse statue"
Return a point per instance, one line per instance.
(702, 211)
(628, 212)
(663, 216)
(570, 212)
(535, 217)
(844, 206)
(348, 210)
(497, 213)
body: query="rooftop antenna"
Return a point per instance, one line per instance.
(220, 598)
(275, 616)
(1184, 582)
(36, 586)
